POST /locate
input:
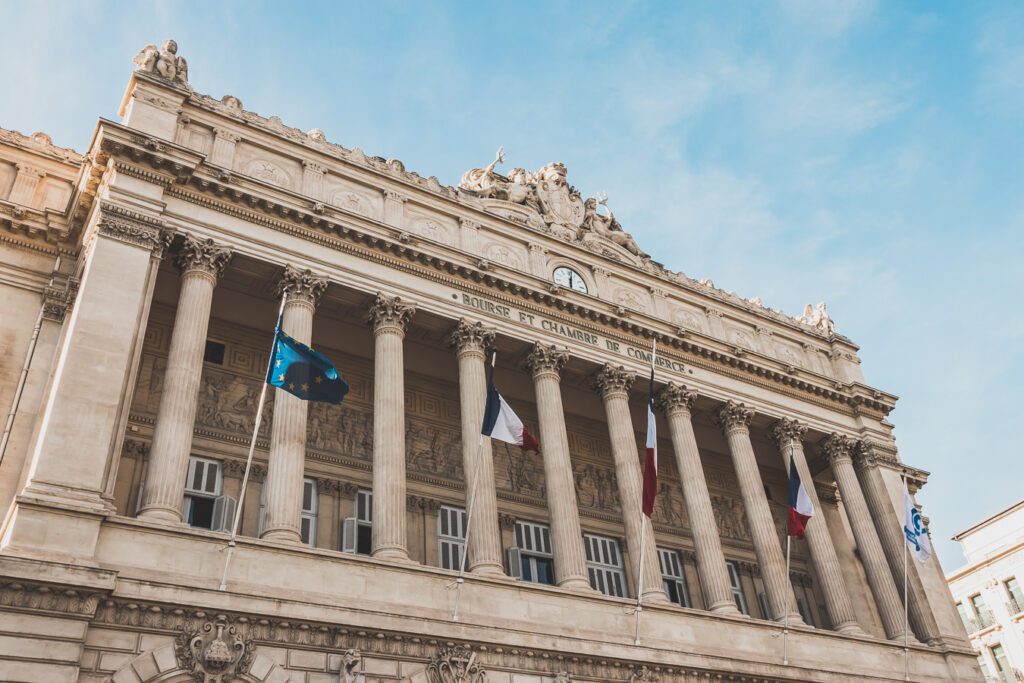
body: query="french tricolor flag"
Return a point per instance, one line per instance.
(800, 507)
(650, 452)
(501, 422)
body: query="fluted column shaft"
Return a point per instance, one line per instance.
(890, 532)
(286, 465)
(676, 402)
(614, 384)
(788, 435)
(887, 596)
(566, 535)
(389, 317)
(734, 420)
(200, 263)
(484, 543)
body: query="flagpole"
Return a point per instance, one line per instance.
(906, 610)
(785, 619)
(643, 531)
(469, 517)
(252, 449)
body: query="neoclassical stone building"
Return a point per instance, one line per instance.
(140, 286)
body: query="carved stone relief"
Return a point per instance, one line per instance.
(455, 665)
(215, 652)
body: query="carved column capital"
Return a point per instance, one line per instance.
(546, 360)
(395, 196)
(471, 338)
(132, 228)
(301, 285)
(313, 166)
(837, 448)
(614, 381)
(733, 416)
(58, 300)
(675, 398)
(225, 134)
(785, 431)
(506, 521)
(203, 256)
(469, 224)
(390, 313)
(827, 494)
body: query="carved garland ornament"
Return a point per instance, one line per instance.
(132, 231)
(455, 665)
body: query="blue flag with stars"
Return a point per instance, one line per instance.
(303, 372)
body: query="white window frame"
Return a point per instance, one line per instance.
(307, 518)
(361, 518)
(451, 536)
(672, 573)
(605, 565)
(191, 493)
(762, 603)
(737, 586)
(534, 543)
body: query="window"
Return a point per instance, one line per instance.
(569, 278)
(1016, 603)
(202, 486)
(672, 577)
(984, 616)
(737, 589)
(307, 522)
(983, 664)
(762, 603)
(805, 612)
(214, 352)
(965, 616)
(357, 532)
(604, 565)
(1002, 666)
(533, 554)
(451, 535)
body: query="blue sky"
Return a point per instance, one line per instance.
(865, 154)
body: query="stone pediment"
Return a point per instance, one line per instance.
(545, 200)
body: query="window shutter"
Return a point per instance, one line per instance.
(515, 563)
(349, 535)
(224, 508)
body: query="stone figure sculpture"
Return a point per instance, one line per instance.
(607, 226)
(818, 318)
(486, 182)
(163, 62)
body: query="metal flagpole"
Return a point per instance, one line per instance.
(785, 619)
(643, 531)
(22, 378)
(252, 449)
(457, 584)
(906, 610)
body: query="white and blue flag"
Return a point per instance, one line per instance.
(914, 530)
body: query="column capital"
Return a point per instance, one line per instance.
(301, 285)
(614, 381)
(395, 196)
(785, 430)
(204, 256)
(546, 360)
(132, 228)
(734, 416)
(867, 454)
(827, 494)
(675, 398)
(837, 448)
(471, 337)
(390, 313)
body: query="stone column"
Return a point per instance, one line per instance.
(201, 262)
(389, 317)
(614, 384)
(734, 419)
(788, 435)
(484, 546)
(676, 402)
(890, 532)
(546, 362)
(286, 464)
(890, 608)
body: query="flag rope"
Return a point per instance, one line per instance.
(252, 449)
(457, 584)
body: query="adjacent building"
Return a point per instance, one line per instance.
(989, 594)
(140, 284)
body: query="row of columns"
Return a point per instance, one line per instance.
(201, 262)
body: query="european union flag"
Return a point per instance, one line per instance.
(303, 372)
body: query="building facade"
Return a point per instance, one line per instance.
(989, 595)
(141, 283)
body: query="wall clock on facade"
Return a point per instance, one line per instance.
(567, 277)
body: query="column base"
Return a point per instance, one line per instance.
(576, 583)
(282, 535)
(727, 607)
(392, 554)
(160, 513)
(655, 596)
(898, 638)
(488, 569)
(851, 628)
(794, 620)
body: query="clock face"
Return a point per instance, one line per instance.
(567, 277)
